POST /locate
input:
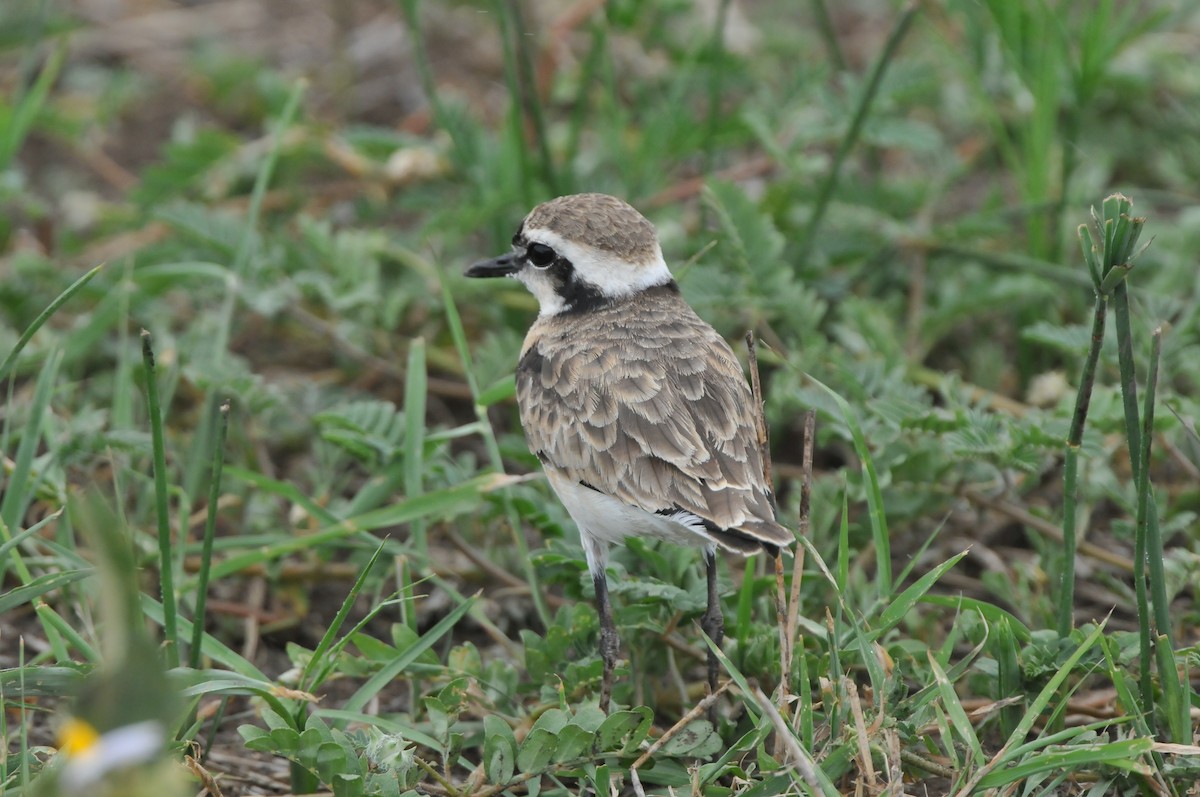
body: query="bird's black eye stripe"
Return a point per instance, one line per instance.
(540, 255)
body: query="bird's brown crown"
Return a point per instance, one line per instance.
(599, 221)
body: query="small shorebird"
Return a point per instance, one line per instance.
(637, 409)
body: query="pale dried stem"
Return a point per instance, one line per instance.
(860, 726)
(693, 714)
(802, 528)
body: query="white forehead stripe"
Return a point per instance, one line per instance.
(611, 274)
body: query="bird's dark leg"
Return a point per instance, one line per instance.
(610, 643)
(713, 622)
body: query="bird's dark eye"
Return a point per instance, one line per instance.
(540, 255)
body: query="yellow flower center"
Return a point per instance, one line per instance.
(76, 737)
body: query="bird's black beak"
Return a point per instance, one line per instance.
(502, 266)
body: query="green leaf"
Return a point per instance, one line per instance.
(573, 741)
(347, 785)
(537, 750)
(27, 104)
(369, 430)
(285, 490)
(1072, 339)
(499, 750)
(42, 681)
(256, 738)
(223, 682)
(624, 729)
(553, 720)
(372, 648)
(501, 390)
(697, 739)
(754, 241)
(21, 478)
(184, 164)
(213, 647)
(1051, 690)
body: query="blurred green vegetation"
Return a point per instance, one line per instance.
(887, 195)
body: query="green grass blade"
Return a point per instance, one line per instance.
(19, 492)
(1175, 703)
(906, 600)
(28, 105)
(53, 620)
(1013, 262)
(124, 383)
(1147, 516)
(960, 725)
(166, 560)
(396, 668)
(1010, 752)
(8, 549)
(210, 529)
(414, 436)
(451, 501)
(19, 596)
(753, 710)
(11, 358)
(213, 648)
(285, 490)
(988, 611)
(1122, 755)
(318, 657)
(209, 683)
(879, 531)
(850, 137)
(262, 179)
(1010, 680)
(454, 321)
(1133, 432)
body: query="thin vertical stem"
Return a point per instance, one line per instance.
(793, 617)
(717, 55)
(512, 79)
(454, 321)
(210, 529)
(529, 97)
(1083, 398)
(1128, 372)
(829, 35)
(856, 124)
(166, 562)
(760, 419)
(441, 116)
(1147, 516)
(1145, 633)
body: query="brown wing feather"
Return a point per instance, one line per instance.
(648, 404)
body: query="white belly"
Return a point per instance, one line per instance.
(604, 521)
